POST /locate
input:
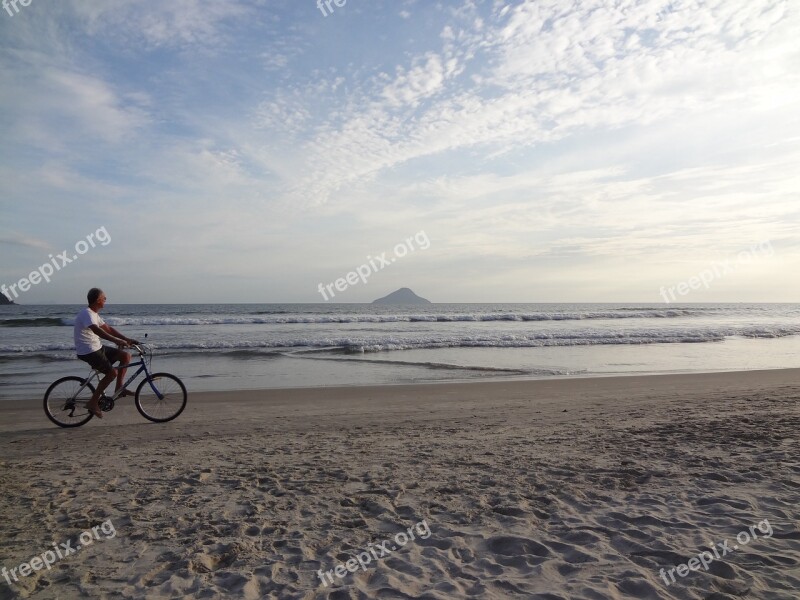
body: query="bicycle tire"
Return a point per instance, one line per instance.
(58, 396)
(169, 407)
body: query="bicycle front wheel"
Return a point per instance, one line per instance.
(171, 403)
(65, 402)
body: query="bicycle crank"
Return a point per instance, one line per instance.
(106, 404)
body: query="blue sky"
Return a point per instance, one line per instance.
(551, 151)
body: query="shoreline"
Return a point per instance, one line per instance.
(785, 376)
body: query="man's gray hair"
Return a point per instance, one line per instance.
(93, 295)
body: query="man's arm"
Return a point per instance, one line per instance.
(114, 332)
(110, 334)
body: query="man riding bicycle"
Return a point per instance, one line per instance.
(89, 328)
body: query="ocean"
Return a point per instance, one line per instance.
(254, 346)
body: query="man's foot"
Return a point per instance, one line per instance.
(95, 410)
(126, 393)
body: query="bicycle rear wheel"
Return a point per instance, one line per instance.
(65, 402)
(169, 406)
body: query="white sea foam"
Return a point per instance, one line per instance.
(366, 318)
(384, 343)
(268, 345)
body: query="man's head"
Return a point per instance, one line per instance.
(96, 298)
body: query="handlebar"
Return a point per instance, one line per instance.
(140, 347)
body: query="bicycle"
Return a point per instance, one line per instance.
(160, 397)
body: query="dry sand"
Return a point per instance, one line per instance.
(569, 489)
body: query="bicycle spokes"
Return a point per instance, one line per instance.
(65, 401)
(161, 397)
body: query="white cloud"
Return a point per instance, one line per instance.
(173, 23)
(515, 133)
(23, 240)
(89, 105)
(554, 74)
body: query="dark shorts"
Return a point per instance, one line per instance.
(103, 358)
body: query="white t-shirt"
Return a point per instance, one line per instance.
(86, 340)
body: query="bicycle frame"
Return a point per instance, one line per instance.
(95, 374)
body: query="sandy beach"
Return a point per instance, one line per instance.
(558, 489)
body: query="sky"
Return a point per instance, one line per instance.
(488, 151)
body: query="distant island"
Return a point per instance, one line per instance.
(402, 296)
(5, 300)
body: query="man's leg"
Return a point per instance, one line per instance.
(113, 355)
(94, 403)
(98, 361)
